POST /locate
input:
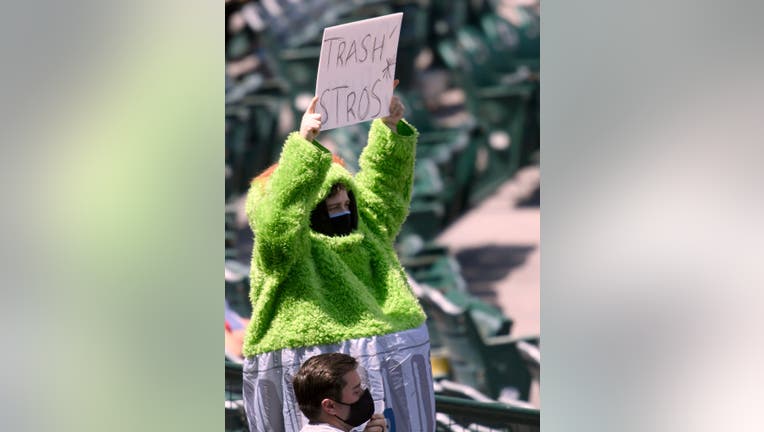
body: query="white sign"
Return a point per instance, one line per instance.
(356, 70)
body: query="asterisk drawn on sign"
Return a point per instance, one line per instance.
(386, 71)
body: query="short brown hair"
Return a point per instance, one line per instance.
(321, 377)
(336, 188)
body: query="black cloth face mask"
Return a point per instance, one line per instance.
(341, 223)
(321, 222)
(360, 411)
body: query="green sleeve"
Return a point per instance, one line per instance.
(280, 216)
(386, 175)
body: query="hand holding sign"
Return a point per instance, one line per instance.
(311, 121)
(396, 111)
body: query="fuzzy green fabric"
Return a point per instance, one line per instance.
(311, 289)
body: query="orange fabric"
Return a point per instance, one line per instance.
(266, 173)
(234, 339)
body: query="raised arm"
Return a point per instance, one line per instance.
(279, 210)
(387, 170)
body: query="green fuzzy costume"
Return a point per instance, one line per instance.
(308, 288)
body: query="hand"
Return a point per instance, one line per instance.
(311, 121)
(376, 424)
(396, 111)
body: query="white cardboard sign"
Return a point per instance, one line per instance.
(356, 69)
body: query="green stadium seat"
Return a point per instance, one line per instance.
(458, 414)
(492, 365)
(498, 97)
(436, 268)
(299, 66)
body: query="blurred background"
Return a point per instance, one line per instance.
(469, 79)
(652, 214)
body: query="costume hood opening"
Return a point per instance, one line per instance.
(321, 222)
(319, 216)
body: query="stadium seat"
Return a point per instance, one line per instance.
(492, 365)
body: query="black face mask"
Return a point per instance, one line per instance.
(360, 411)
(341, 223)
(321, 222)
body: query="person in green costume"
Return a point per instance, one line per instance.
(325, 277)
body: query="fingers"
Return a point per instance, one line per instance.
(310, 125)
(376, 424)
(312, 117)
(396, 107)
(312, 107)
(395, 110)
